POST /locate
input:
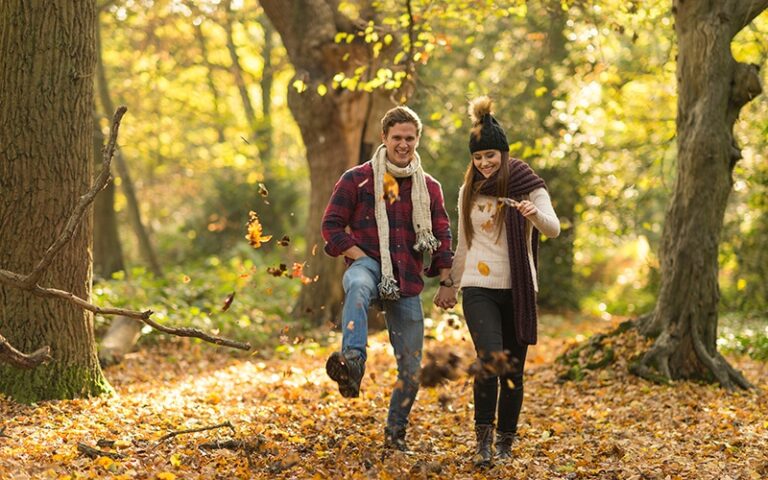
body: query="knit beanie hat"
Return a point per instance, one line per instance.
(486, 133)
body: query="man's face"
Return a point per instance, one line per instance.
(401, 141)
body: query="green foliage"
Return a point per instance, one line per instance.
(744, 336)
(194, 295)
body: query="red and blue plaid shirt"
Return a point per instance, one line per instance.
(352, 205)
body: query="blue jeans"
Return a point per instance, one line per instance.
(405, 323)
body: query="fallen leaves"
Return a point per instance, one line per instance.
(290, 421)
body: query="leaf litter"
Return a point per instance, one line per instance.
(289, 421)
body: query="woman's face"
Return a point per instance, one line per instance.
(487, 161)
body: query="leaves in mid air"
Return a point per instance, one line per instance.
(255, 231)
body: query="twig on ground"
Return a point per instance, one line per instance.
(195, 430)
(96, 453)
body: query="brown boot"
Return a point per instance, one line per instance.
(504, 445)
(484, 456)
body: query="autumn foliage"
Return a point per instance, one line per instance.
(288, 421)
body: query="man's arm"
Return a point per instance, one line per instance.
(337, 216)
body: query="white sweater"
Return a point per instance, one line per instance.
(486, 264)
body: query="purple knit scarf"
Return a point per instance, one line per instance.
(522, 181)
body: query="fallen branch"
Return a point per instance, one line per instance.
(242, 445)
(195, 430)
(2, 433)
(28, 282)
(10, 355)
(96, 453)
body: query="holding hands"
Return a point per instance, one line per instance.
(446, 297)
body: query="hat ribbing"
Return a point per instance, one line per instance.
(487, 133)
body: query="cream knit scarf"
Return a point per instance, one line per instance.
(422, 217)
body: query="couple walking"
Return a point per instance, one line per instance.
(503, 205)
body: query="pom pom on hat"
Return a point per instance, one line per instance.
(486, 133)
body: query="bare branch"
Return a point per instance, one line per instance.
(745, 11)
(18, 359)
(195, 430)
(29, 282)
(96, 453)
(82, 205)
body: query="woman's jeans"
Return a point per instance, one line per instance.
(405, 323)
(490, 315)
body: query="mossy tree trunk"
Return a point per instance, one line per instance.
(712, 89)
(47, 57)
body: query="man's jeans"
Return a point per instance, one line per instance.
(405, 322)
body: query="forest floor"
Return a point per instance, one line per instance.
(291, 422)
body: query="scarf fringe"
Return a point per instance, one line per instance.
(388, 289)
(426, 242)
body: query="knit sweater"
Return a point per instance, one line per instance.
(486, 263)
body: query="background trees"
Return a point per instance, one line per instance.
(232, 106)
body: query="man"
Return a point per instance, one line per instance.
(382, 216)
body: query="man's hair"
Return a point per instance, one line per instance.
(400, 114)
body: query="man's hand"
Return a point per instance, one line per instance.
(445, 297)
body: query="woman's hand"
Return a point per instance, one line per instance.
(527, 208)
(445, 297)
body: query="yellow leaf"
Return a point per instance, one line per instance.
(322, 90)
(483, 268)
(391, 188)
(166, 476)
(255, 230)
(104, 462)
(175, 460)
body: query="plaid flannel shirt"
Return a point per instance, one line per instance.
(350, 220)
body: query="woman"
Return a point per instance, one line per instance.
(503, 205)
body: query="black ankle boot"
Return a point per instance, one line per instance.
(483, 457)
(394, 438)
(504, 445)
(346, 369)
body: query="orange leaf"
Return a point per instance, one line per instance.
(483, 268)
(255, 230)
(391, 188)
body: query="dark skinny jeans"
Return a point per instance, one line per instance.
(489, 315)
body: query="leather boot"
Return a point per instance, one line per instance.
(346, 369)
(504, 445)
(483, 457)
(394, 438)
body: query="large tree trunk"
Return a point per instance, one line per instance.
(47, 56)
(332, 127)
(712, 89)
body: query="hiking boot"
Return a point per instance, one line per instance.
(483, 457)
(504, 445)
(394, 438)
(347, 370)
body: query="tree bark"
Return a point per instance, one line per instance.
(712, 89)
(46, 160)
(332, 127)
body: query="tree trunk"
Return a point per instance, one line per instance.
(332, 127)
(107, 250)
(264, 130)
(712, 89)
(47, 57)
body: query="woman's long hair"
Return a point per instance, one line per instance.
(471, 190)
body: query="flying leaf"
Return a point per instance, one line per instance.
(487, 225)
(314, 250)
(285, 241)
(255, 230)
(391, 188)
(277, 271)
(483, 268)
(228, 302)
(298, 270)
